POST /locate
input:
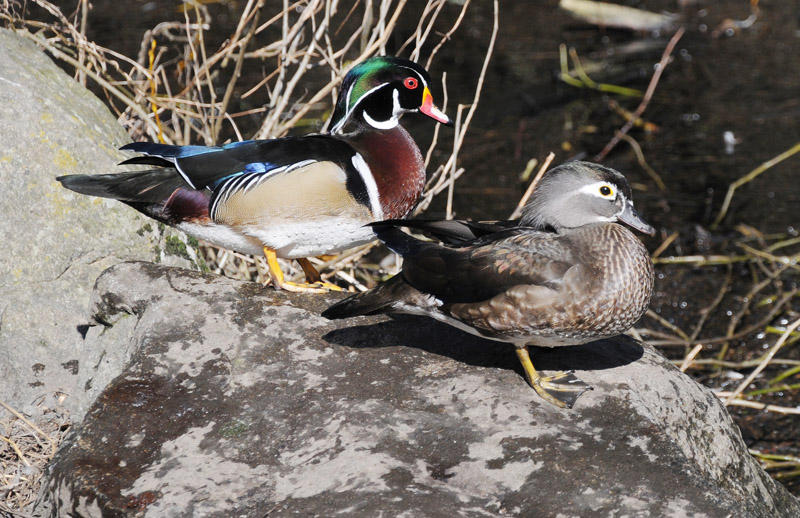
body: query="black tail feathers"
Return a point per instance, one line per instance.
(398, 241)
(152, 186)
(377, 300)
(356, 305)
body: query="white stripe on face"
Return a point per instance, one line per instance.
(349, 109)
(416, 74)
(394, 120)
(594, 190)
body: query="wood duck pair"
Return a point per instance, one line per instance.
(292, 197)
(565, 274)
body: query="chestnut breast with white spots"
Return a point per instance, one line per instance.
(397, 166)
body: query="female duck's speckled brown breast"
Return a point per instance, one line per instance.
(397, 166)
(624, 281)
(605, 288)
(564, 274)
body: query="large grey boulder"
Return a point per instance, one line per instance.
(55, 242)
(242, 401)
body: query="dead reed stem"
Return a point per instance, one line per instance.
(647, 96)
(773, 350)
(723, 211)
(27, 443)
(543, 169)
(177, 90)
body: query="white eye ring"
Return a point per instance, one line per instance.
(606, 191)
(597, 189)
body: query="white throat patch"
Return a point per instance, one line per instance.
(397, 110)
(337, 130)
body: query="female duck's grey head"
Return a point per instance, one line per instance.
(580, 193)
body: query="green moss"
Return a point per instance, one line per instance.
(174, 246)
(233, 429)
(146, 228)
(200, 262)
(202, 265)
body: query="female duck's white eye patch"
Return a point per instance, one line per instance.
(605, 190)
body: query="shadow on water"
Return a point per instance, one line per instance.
(437, 338)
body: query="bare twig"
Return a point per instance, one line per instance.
(642, 162)
(664, 245)
(518, 210)
(448, 34)
(755, 404)
(750, 177)
(773, 350)
(647, 95)
(583, 80)
(438, 179)
(740, 334)
(30, 424)
(706, 311)
(687, 361)
(237, 69)
(451, 182)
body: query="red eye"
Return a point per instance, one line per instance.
(410, 83)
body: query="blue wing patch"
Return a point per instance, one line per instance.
(258, 167)
(237, 144)
(167, 151)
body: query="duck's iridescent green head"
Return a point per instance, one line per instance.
(376, 92)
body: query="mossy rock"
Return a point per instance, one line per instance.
(57, 242)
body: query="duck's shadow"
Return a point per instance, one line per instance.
(438, 338)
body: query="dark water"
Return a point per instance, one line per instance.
(747, 83)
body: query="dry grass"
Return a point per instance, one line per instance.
(765, 296)
(27, 443)
(178, 90)
(751, 364)
(765, 315)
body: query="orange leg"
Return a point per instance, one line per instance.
(312, 275)
(561, 389)
(281, 283)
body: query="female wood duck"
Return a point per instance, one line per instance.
(291, 197)
(566, 274)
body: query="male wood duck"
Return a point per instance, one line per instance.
(567, 273)
(291, 197)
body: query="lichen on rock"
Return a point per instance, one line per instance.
(242, 400)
